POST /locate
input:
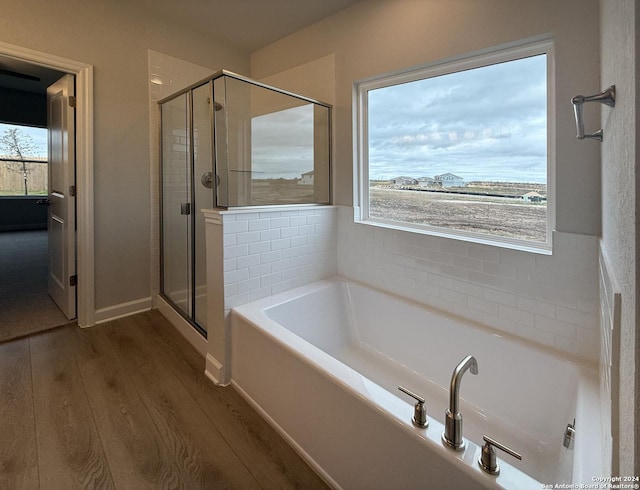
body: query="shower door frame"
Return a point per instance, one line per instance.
(192, 213)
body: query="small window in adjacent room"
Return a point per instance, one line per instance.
(23, 160)
(462, 148)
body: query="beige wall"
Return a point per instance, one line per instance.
(115, 39)
(620, 21)
(378, 36)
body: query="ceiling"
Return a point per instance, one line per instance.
(246, 24)
(26, 77)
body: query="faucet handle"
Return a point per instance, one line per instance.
(488, 461)
(419, 418)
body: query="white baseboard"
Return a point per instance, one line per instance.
(214, 371)
(198, 342)
(124, 309)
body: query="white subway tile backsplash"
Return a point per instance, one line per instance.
(468, 289)
(536, 335)
(247, 261)
(267, 235)
(248, 237)
(231, 301)
(289, 232)
(288, 253)
(248, 285)
(520, 317)
(537, 307)
(482, 305)
(236, 251)
(500, 297)
(247, 217)
(297, 220)
(268, 257)
(258, 294)
(281, 265)
(279, 223)
(235, 226)
(484, 252)
(502, 270)
(577, 318)
(258, 224)
(229, 264)
(549, 299)
(270, 279)
(280, 244)
(453, 296)
(236, 276)
(556, 327)
(272, 251)
(307, 229)
(229, 240)
(468, 263)
(299, 240)
(259, 247)
(259, 270)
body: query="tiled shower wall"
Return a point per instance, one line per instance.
(551, 300)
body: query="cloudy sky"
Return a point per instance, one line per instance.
(482, 124)
(282, 143)
(38, 138)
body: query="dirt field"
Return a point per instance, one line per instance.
(499, 216)
(280, 191)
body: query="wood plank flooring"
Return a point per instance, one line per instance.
(126, 405)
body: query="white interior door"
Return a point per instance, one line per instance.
(62, 177)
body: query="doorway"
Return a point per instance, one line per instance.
(25, 163)
(84, 228)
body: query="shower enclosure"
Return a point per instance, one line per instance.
(229, 141)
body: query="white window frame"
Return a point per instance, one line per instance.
(510, 52)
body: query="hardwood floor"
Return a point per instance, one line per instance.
(126, 405)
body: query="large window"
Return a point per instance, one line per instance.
(462, 148)
(23, 160)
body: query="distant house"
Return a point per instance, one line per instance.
(533, 196)
(426, 181)
(449, 180)
(402, 180)
(306, 178)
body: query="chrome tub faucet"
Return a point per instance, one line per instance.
(452, 435)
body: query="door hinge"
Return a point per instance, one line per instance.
(72, 190)
(72, 101)
(73, 281)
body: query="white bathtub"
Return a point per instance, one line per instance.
(322, 364)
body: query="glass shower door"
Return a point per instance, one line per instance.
(176, 204)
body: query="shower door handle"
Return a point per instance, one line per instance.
(185, 208)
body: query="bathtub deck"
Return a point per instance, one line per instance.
(126, 405)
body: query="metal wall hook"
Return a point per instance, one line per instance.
(608, 97)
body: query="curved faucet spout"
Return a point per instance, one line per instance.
(452, 434)
(469, 363)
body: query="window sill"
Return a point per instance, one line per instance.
(513, 244)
